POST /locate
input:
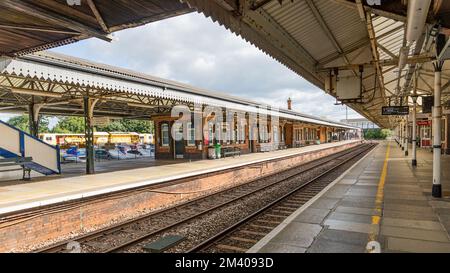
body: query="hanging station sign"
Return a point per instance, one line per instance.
(100, 121)
(424, 122)
(395, 110)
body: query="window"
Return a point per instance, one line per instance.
(264, 134)
(165, 135)
(242, 132)
(275, 134)
(211, 134)
(191, 132)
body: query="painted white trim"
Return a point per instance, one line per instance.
(266, 239)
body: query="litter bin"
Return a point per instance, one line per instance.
(212, 153)
(218, 147)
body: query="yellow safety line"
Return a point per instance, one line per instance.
(379, 197)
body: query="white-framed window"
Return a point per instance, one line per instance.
(275, 134)
(242, 132)
(191, 133)
(211, 134)
(264, 134)
(165, 140)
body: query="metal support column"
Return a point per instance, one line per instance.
(414, 129)
(437, 116)
(34, 118)
(89, 105)
(447, 151)
(406, 136)
(401, 135)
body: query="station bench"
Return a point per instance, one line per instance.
(231, 151)
(16, 161)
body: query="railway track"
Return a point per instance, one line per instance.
(241, 236)
(208, 223)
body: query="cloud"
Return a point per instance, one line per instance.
(194, 50)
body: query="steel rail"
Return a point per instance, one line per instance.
(223, 234)
(209, 210)
(61, 246)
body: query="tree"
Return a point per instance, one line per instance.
(128, 125)
(69, 125)
(22, 123)
(377, 133)
(75, 125)
(115, 126)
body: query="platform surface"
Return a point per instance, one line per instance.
(394, 209)
(29, 195)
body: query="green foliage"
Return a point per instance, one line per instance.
(66, 125)
(76, 125)
(22, 123)
(128, 125)
(377, 133)
(115, 126)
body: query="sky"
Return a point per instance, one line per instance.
(194, 50)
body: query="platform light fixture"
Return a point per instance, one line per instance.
(36, 92)
(403, 58)
(417, 17)
(143, 105)
(140, 105)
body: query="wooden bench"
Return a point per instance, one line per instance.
(231, 151)
(16, 161)
(282, 147)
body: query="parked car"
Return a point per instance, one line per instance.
(135, 152)
(102, 154)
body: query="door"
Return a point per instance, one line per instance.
(425, 136)
(179, 143)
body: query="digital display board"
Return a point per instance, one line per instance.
(427, 104)
(395, 110)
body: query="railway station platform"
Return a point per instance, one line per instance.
(31, 195)
(64, 208)
(382, 199)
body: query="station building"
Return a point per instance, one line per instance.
(117, 92)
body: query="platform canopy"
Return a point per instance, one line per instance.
(320, 40)
(28, 26)
(57, 84)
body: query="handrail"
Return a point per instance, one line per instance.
(35, 163)
(27, 134)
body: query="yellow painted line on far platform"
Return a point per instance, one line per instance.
(379, 198)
